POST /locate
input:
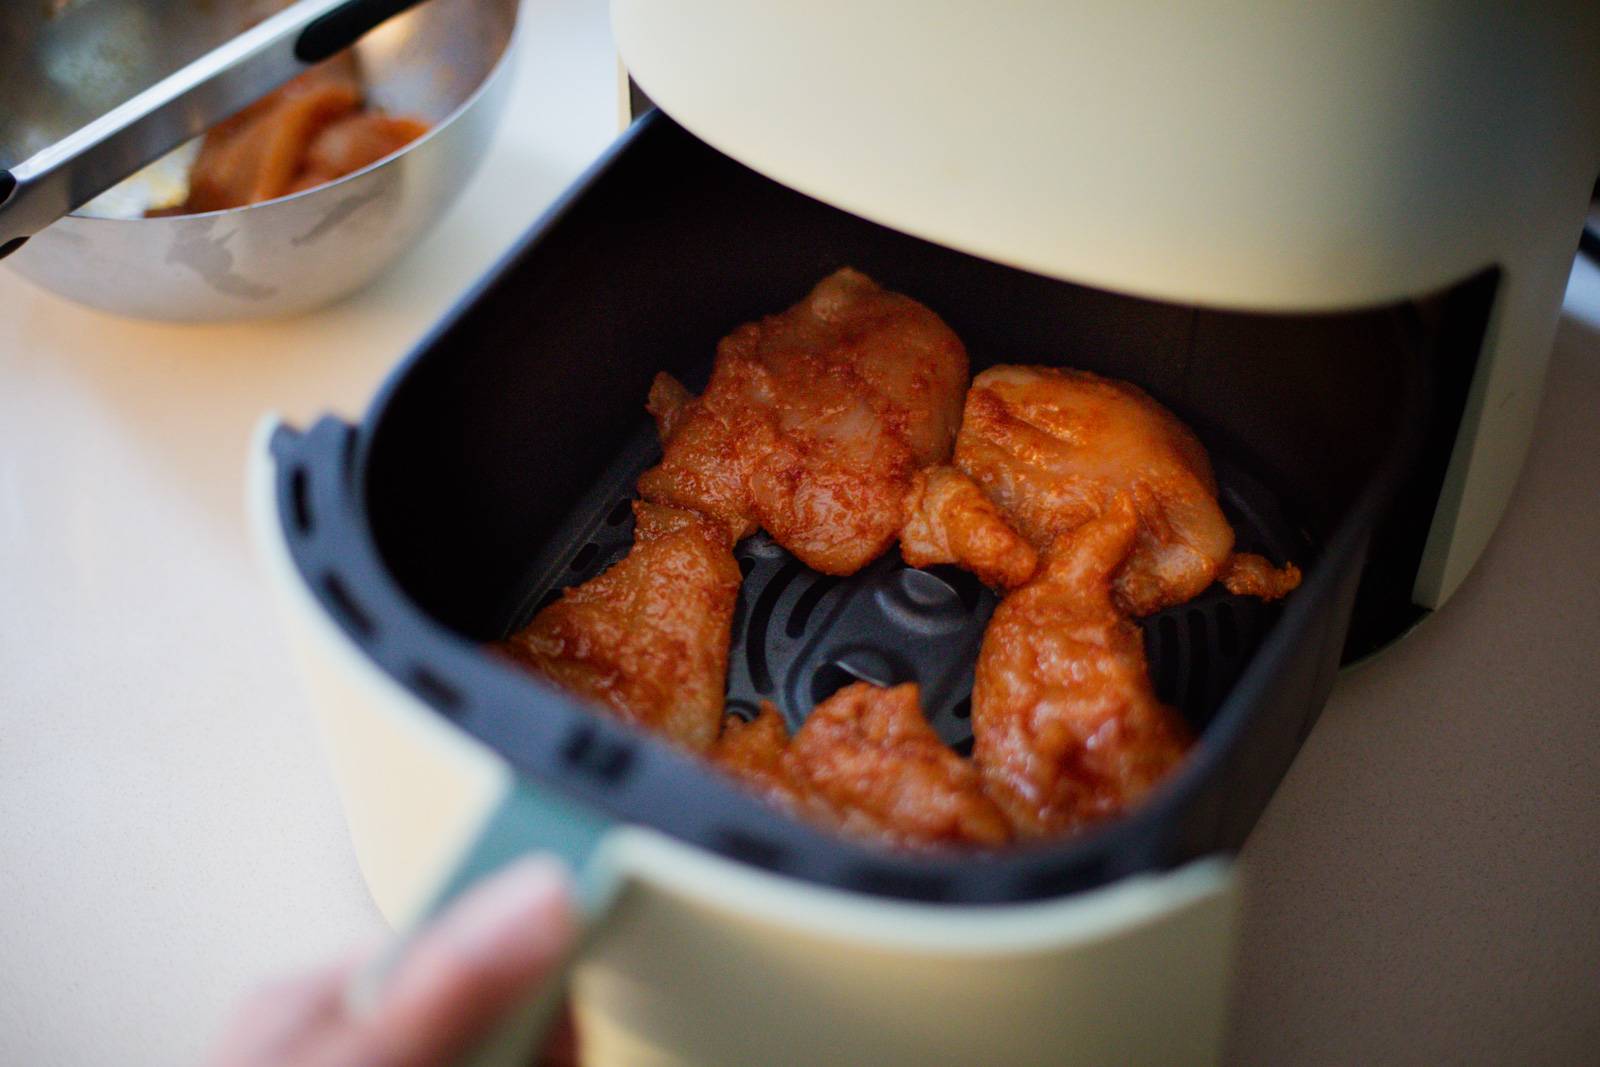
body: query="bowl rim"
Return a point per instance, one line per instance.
(501, 61)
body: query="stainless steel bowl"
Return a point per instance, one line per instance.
(446, 61)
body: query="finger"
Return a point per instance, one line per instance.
(477, 960)
(282, 1017)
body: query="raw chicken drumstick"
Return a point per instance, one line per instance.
(648, 638)
(1066, 724)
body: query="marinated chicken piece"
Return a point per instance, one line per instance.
(256, 154)
(867, 763)
(1054, 447)
(869, 754)
(949, 520)
(1247, 574)
(1067, 727)
(648, 639)
(815, 422)
(309, 131)
(353, 142)
(754, 752)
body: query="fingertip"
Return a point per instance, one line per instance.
(526, 906)
(494, 944)
(511, 927)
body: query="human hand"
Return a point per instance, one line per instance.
(456, 981)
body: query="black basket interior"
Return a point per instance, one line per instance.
(799, 636)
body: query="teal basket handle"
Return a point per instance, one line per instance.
(531, 818)
(528, 819)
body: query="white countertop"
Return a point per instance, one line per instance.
(1425, 887)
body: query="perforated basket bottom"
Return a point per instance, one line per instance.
(799, 636)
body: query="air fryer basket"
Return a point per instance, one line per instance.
(495, 466)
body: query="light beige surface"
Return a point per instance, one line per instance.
(169, 835)
(1424, 886)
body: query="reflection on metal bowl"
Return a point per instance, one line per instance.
(446, 61)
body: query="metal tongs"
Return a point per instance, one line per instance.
(67, 174)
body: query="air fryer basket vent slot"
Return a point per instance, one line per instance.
(436, 691)
(908, 885)
(600, 757)
(300, 501)
(799, 636)
(757, 851)
(355, 617)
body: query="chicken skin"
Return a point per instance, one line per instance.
(815, 422)
(1066, 724)
(867, 763)
(1055, 447)
(647, 639)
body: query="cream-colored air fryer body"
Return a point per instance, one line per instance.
(1257, 155)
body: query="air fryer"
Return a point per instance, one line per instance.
(1332, 240)
(494, 469)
